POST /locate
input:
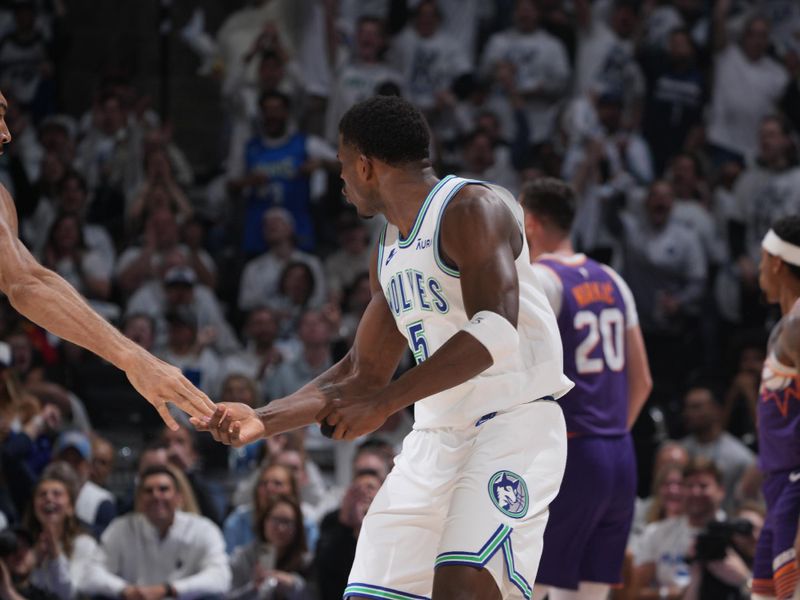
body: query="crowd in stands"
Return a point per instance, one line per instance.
(676, 122)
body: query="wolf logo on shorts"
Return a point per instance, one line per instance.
(509, 493)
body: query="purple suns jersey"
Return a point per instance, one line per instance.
(778, 413)
(596, 309)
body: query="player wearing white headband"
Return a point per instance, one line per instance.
(775, 572)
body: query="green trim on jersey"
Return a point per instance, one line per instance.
(405, 243)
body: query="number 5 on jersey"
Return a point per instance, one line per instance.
(417, 341)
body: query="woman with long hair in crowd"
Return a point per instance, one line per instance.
(63, 551)
(273, 480)
(274, 565)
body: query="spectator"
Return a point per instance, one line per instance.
(95, 506)
(338, 534)
(262, 354)
(295, 291)
(179, 288)
(747, 87)
(480, 162)
(63, 552)
(315, 498)
(665, 267)
(188, 349)
(661, 559)
(261, 275)
(26, 69)
(139, 265)
(428, 58)
(17, 563)
(275, 564)
(702, 415)
(240, 527)
(161, 551)
(351, 258)
(676, 94)
(358, 78)
(102, 460)
(67, 253)
(741, 397)
(182, 453)
(274, 169)
(158, 190)
(540, 67)
(140, 328)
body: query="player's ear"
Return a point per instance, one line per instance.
(365, 166)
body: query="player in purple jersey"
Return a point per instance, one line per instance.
(604, 354)
(776, 572)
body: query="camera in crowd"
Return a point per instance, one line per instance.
(713, 542)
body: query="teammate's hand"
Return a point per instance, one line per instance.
(161, 383)
(352, 416)
(233, 423)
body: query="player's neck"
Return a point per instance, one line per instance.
(560, 246)
(788, 297)
(406, 190)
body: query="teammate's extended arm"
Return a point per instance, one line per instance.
(640, 382)
(49, 301)
(478, 235)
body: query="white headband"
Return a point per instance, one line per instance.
(777, 247)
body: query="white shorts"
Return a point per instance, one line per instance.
(475, 496)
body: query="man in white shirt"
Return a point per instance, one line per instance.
(540, 65)
(428, 58)
(160, 552)
(747, 87)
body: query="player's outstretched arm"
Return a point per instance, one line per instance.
(368, 366)
(49, 301)
(481, 238)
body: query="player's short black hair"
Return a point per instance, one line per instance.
(551, 200)
(788, 229)
(388, 128)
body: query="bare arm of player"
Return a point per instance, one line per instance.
(481, 238)
(640, 382)
(368, 366)
(49, 301)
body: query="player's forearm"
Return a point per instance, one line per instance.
(49, 301)
(300, 408)
(460, 359)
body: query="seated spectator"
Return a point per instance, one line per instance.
(239, 527)
(344, 265)
(188, 349)
(263, 353)
(276, 563)
(261, 275)
(146, 262)
(95, 506)
(315, 498)
(178, 288)
(67, 253)
(661, 559)
(293, 298)
(240, 388)
(338, 534)
(182, 453)
(702, 415)
(102, 460)
(161, 551)
(480, 162)
(63, 553)
(158, 190)
(17, 563)
(665, 502)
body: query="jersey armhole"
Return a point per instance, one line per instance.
(381, 241)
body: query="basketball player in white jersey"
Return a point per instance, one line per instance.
(462, 515)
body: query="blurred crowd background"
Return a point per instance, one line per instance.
(176, 163)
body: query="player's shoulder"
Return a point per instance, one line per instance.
(479, 201)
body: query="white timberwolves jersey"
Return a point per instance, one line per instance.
(424, 295)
